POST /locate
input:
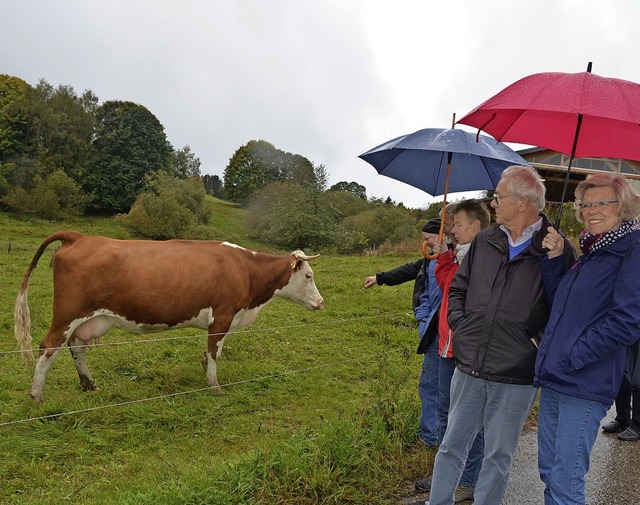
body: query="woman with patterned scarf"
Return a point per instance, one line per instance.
(595, 316)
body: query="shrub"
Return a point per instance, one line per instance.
(169, 208)
(56, 197)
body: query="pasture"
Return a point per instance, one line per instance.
(317, 407)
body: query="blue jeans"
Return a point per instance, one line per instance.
(428, 391)
(567, 430)
(501, 409)
(474, 459)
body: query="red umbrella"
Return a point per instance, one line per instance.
(580, 115)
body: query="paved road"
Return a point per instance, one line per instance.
(613, 479)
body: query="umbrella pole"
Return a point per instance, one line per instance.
(444, 201)
(566, 177)
(425, 253)
(573, 152)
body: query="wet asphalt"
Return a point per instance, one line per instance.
(613, 478)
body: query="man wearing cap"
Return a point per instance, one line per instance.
(426, 302)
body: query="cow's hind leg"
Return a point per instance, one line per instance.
(78, 351)
(49, 349)
(214, 350)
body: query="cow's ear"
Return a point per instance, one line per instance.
(295, 264)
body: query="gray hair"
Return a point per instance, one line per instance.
(525, 181)
(449, 210)
(627, 196)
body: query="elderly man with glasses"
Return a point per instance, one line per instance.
(498, 311)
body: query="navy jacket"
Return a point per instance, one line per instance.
(594, 318)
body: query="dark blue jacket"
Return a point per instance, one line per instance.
(594, 318)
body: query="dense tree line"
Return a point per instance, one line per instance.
(52, 139)
(66, 154)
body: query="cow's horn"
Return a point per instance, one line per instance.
(302, 256)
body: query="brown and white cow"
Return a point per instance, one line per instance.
(146, 286)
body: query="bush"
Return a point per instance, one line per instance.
(56, 197)
(380, 224)
(289, 216)
(169, 208)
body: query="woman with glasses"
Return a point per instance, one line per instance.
(595, 316)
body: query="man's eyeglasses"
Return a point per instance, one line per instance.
(496, 198)
(596, 205)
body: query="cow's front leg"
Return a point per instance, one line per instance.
(217, 332)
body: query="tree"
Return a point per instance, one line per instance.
(43, 130)
(321, 176)
(259, 163)
(247, 171)
(13, 116)
(297, 169)
(350, 187)
(291, 216)
(60, 129)
(13, 130)
(213, 185)
(346, 203)
(129, 144)
(185, 163)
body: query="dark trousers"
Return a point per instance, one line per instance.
(628, 405)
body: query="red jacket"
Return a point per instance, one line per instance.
(446, 268)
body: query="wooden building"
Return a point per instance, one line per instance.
(552, 166)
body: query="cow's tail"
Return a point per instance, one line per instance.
(22, 318)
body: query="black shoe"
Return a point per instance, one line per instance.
(615, 427)
(631, 434)
(423, 485)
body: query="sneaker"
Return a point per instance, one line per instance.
(423, 485)
(614, 427)
(464, 493)
(631, 434)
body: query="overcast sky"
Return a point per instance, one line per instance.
(326, 79)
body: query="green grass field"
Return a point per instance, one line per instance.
(317, 407)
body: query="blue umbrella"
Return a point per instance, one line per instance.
(421, 160)
(439, 161)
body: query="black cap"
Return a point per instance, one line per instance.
(432, 226)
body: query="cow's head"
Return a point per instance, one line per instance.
(301, 287)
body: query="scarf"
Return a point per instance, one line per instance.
(592, 242)
(461, 252)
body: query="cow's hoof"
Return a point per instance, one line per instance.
(88, 385)
(38, 398)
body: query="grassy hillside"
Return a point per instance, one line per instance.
(317, 406)
(231, 222)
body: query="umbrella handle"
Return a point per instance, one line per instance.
(425, 246)
(425, 252)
